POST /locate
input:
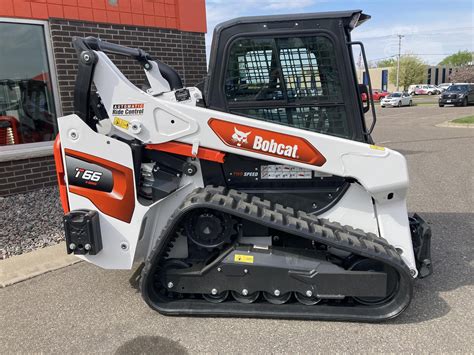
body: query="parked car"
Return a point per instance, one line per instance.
(412, 88)
(376, 94)
(443, 87)
(397, 99)
(461, 94)
(427, 90)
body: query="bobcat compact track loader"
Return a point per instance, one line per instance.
(260, 194)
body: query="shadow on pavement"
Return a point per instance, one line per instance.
(150, 345)
(451, 252)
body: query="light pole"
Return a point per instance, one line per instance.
(398, 61)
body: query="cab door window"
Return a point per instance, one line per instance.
(291, 81)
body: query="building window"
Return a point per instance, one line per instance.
(443, 75)
(27, 104)
(436, 76)
(290, 81)
(365, 78)
(428, 80)
(384, 80)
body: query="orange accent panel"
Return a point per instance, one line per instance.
(6, 8)
(186, 150)
(266, 142)
(125, 6)
(138, 20)
(149, 21)
(159, 9)
(86, 14)
(100, 15)
(170, 10)
(137, 7)
(39, 11)
(185, 15)
(22, 8)
(171, 22)
(58, 159)
(191, 15)
(148, 8)
(160, 21)
(113, 17)
(55, 11)
(98, 4)
(71, 12)
(84, 3)
(120, 202)
(70, 2)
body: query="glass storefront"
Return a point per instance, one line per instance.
(27, 106)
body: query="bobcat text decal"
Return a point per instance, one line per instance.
(267, 142)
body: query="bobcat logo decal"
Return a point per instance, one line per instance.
(240, 137)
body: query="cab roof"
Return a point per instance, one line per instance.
(351, 19)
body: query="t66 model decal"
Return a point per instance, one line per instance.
(267, 142)
(108, 185)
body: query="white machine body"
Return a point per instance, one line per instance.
(375, 202)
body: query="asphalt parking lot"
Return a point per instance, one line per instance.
(86, 309)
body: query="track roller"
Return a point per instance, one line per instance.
(307, 300)
(217, 297)
(276, 298)
(244, 297)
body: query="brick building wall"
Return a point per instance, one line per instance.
(25, 175)
(185, 51)
(169, 30)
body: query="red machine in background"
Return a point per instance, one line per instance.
(9, 131)
(376, 94)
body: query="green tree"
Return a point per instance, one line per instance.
(458, 59)
(412, 71)
(386, 63)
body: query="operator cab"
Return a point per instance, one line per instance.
(295, 70)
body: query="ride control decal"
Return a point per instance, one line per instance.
(128, 109)
(267, 142)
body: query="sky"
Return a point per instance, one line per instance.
(432, 29)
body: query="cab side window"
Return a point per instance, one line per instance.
(290, 81)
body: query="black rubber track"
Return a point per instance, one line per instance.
(294, 222)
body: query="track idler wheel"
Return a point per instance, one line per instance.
(307, 300)
(245, 297)
(393, 282)
(277, 299)
(217, 298)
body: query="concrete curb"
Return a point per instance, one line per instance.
(455, 125)
(26, 266)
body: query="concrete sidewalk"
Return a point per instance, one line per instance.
(26, 266)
